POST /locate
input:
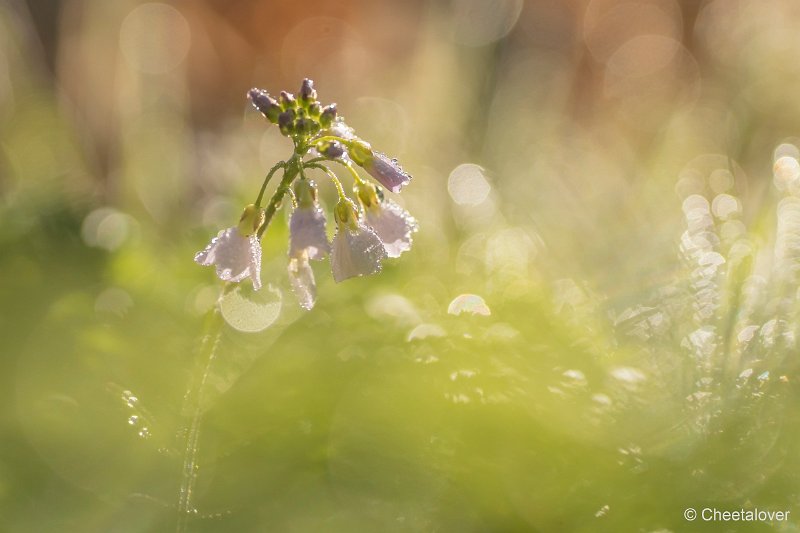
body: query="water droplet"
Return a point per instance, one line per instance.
(154, 38)
(746, 335)
(423, 331)
(467, 185)
(251, 311)
(133, 420)
(786, 170)
(393, 306)
(113, 301)
(628, 374)
(695, 202)
(144, 433)
(724, 206)
(106, 228)
(468, 303)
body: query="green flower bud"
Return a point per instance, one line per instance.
(305, 191)
(346, 214)
(360, 151)
(267, 105)
(307, 92)
(314, 110)
(287, 100)
(328, 115)
(252, 218)
(367, 194)
(286, 122)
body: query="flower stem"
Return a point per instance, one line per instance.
(333, 177)
(281, 164)
(193, 407)
(292, 169)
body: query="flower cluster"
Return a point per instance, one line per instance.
(368, 230)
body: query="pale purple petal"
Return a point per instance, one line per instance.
(340, 129)
(234, 256)
(301, 278)
(393, 225)
(387, 171)
(307, 233)
(356, 253)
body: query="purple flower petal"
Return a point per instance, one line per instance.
(307, 233)
(387, 171)
(393, 225)
(302, 280)
(234, 256)
(356, 253)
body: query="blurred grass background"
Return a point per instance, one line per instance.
(598, 172)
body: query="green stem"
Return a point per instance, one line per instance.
(273, 170)
(333, 177)
(327, 138)
(193, 408)
(292, 169)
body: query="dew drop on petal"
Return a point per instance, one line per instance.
(251, 311)
(471, 304)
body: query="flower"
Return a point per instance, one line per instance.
(387, 171)
(393, 225)
(236, 251)
(390, 222)
(357, 250)
(236, 256)
(301, 277)
(307, 233)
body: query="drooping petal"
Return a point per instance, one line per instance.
(234, 255)
(356, 253)
(302, 280)
(387, 171)
(307, 233)
(393, 225)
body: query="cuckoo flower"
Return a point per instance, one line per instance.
(307, 240)
(390, 222)
(363, 238)
(307, 224)
(301, 277)
(387, 171)
(357, 250)
(236, 251)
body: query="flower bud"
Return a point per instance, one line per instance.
(331, 149)
(305, 191)
(307, 92)
(287, 100)
(346, 214)
(328, 115)
(267, 105)
(360, 151)
(286, 121)
(251, 219)
(314, 110)
(367, 194)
